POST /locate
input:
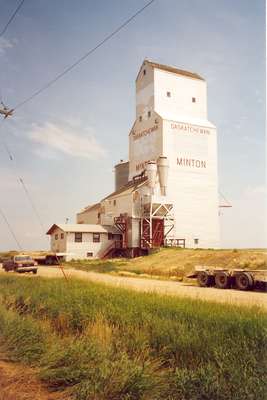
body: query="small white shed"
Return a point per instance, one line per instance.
(82, 241)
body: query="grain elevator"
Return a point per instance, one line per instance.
(167, 192)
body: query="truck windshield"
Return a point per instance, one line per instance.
(23, 258)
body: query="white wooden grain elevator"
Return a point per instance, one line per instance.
(167, 192)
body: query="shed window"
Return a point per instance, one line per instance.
(56, 236)
(90, 254)
(168, 94)
(114, 202)
(62, 236)
(149, 114)
(196, 241)
(193, 99)
(96, 237)
(78, 237)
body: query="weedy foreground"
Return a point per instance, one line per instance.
(98, 342)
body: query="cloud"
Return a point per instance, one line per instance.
(63, 138)
(6, 44)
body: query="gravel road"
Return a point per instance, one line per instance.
(164, 287)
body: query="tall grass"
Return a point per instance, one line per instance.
(107, 343)
(177, 262)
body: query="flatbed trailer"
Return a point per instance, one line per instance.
(222, 278)
(48, 259)
(51, 258)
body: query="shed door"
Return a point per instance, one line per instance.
(157, 232)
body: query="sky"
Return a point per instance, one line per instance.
(66, 141)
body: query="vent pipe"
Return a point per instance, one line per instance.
(151, 170)
(163, 167)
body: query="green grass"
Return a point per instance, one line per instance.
(107, 343)
(97, 265)
(177, 262)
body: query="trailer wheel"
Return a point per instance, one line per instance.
(204, 279)
(49, 261)
(222, 280)
(244, 281)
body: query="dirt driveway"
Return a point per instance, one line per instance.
(164, 287)
(19, 382)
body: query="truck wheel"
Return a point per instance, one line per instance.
(204, 279)
(244, 281)
(222, 280)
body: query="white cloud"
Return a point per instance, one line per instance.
(65, 139)
(6, 44)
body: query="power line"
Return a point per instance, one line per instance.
(10, 229)
(33, 208)
(22, 183)
(5, 28)
(50, 83)
(32, 204)
(72, 66)
(10, 156)
(12, 17)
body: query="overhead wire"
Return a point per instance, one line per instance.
(50, 83)
(10, 228)
(24, 186)
(2, 32)
(34, 208)
(32, 204)
(81, 59)
(11, 18)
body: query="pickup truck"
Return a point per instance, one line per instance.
(21, 263)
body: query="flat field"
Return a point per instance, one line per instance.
(90, 341)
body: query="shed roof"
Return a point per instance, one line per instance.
(84, 228)
(129, 187)
(174, 70)
(91, 207)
